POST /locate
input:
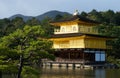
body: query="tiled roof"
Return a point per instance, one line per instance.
(78, 34)
(76, 17)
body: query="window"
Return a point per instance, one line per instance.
(74, 28)
(88, 29)
(100, 56)
(63, 29)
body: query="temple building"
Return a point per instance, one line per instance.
(77, 39)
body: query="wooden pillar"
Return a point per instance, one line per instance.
(73, 65)
(51, 65)
(83, 58)
(67, 65)
(69, 55)
(60, 65)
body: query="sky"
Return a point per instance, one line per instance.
(37, 7)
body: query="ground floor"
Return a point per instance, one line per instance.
(80, 55)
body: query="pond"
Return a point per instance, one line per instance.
(79, 73)
(75, 73)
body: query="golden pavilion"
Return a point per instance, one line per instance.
(77, 39)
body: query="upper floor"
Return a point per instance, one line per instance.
(75, 24)
(76, 28)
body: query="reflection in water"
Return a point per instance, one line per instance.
(75, 73)
(79, 73)
(99, 73)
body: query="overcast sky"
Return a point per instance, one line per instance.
(37, 7)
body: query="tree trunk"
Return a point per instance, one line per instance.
(20, 66)
(39, 62)
(0, 74)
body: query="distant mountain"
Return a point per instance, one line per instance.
(25, 18)
(50, 14)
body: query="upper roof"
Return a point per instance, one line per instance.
(76, 18)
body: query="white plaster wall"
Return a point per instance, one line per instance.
(68, 29)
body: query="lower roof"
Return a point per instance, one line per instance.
(79, 34)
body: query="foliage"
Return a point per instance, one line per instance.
(47, 27)
(107, 17)
(29, 72)
(113, 60)
(4, 23)
(113, 31)
(24, 46)
(33, 22)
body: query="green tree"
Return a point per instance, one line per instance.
(112, 31)
(18, 22)
(66, 16)
(115, 31)
(4, 23)
(49, 29)
(108, 16)
(84, 14)
(58, 17)
(95, 15)
(33, 22)
(25, 46)
(117, 19)
(11, 25)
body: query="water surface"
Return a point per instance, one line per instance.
(79, 73)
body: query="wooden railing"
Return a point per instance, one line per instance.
(60, 60)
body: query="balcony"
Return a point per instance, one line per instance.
(58, 31)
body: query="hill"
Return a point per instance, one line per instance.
(25, 18)
(50, 14)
